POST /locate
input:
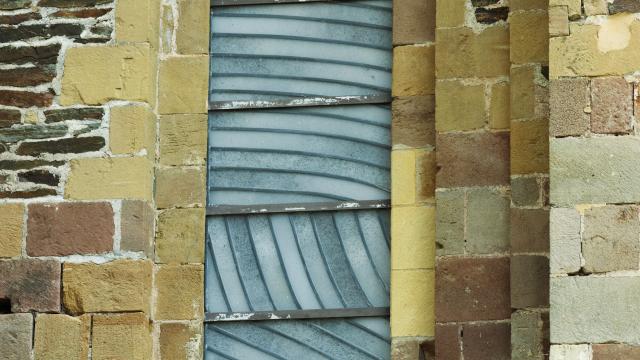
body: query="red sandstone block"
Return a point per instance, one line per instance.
(611, 105)
(448, 342)
(487, 341)
(69, 228)
(615, 352)
(31, 285)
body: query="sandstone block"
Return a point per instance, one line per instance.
(451, 13)
(183, 139)
(192, 34)
(487, 341)
(413, 121)
(132, 129)
(448, 341)
(403, 177)
(615, 352)
(530, 146)
(529, 230)
(559, 21)
(487, 221)
(413, 70)
(529, 281)
(121, 337)
(180, 236)
(426, 169)
(412, 309)
(180, 290)
(11, 220)
(525, 191)
(180, 187)
(31, 285)
(529, 37)
(564, 229)
(15, 335)
(460, 107)
(611, 105)
(569, 102)
(180, 341)
(174, 97)
(570, 352)
(138, 21)
(529, 338)
(413, 231)
(450, 222)
(500, 107)
(60, 336)
(137, 226)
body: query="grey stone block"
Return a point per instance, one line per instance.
(565, 245)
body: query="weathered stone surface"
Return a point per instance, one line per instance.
(138, 21)
(73, 3)
(60, 336)
(174, 72)
(460, 107)
(450, 222)
(529, 338)
(32, 76)
(477, 159)
(31, 285)
(588, 309)
(180, 236)
(84, 113)
(471, 289)
(25, 99)
(412, 302)
(451, 13)
(32, 132)
(413, 68)
(192, 34)
(492, 15)
(14, 4)
(11, 220)
(559, 21)
(181, 341)
(137, 226)
(595, 170)
(569, 101)
(610, 238)
(529, 95)
(121, 336)
(179, 292)
(15, 332)
(426, 169)
(529, 230)
(403, 177)
(111, 178)
(574, 7)
(74, 145)
(525, 191)
(570, 352)
(39, 177)
(132, 129)
(529, 37)
(9, 117)
(615, 352)
(448, 342)
(414, 232)
(15, 19)
(47, 54)
(82, 13)
(463, 53)
(611, 105)
(94, 75)
(183, 139)
(500, 107)
(121, 285)
(596, 7)
(619, 6)
(27, 194)
(412, 348)
(529, 4)
(530, 146)
(180, 187)
(487, 341)
(40, 31)
(487, 221)
(69, 228)
(414, 22)
(564, 229)
(529, 281)
(27, 164)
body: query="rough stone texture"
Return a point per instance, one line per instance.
(574, 7)
(181, 341)
(595, 170)
(570, 352)
(80, 14)
(69, 228)
(477, 55)
(15, 19)
(529, 230)
(491, 15)
(403, 177)
(564, 229)
(414, 21)
(39, 177)
(615, 352)
(413, 121)
(180, 236)
(183, 139)
(559, 21)
(448, 342)
(487, 341)
(426, 169)
(25, 99)
(412, 302)
(72, 3)
(15, 332)
(26, 76)
(450, 222)
(529, 338)
(46, 54)
(132, 129)
(529, 146)
(414, 233)
(9, 117)
(138, 21)
(411, 348)
(471, 289)
(478, 159)
(500, 107)
(610, 239)
(174, 98)
(460, 107)
(31, 285)
(87, 113)
(179, 292)
(11, 220)
(611, 106)
(525, 191)
(528, 31)
(121, 336)
(60, 336)
(180, 187)
(588, 309)
(487, 221)
(192, 34)
(94, 75)
(137, 226)
(529, 281)
(451, 13)
(569, 100)
(529, 94)
(40, 31)
(121, 285)
(110, 178)
(61, 146)
(595, 7)
(413, 70)
(619, 6)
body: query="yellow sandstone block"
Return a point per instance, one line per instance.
(11, 220)
(180, 236)
(183, 139)
(180, 290)
(413, 234)
(60, 336)
(412, 303)
(403, 177)
(132, 129)
(121, 337)
(413, 70)
(459, 106)
(138, 21)
(192, 35)
(183, 85)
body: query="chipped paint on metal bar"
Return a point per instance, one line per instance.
(287, 208)
(297, 314)
(302, 102)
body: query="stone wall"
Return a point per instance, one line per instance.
(594, 217)
(97, 131)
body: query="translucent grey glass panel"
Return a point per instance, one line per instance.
(322, 260)
(353, 339)
(285, 51)
(299, 155)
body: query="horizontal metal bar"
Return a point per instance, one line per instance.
(301, 102)
(296, 314)
(297, 207)
(216, 3)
